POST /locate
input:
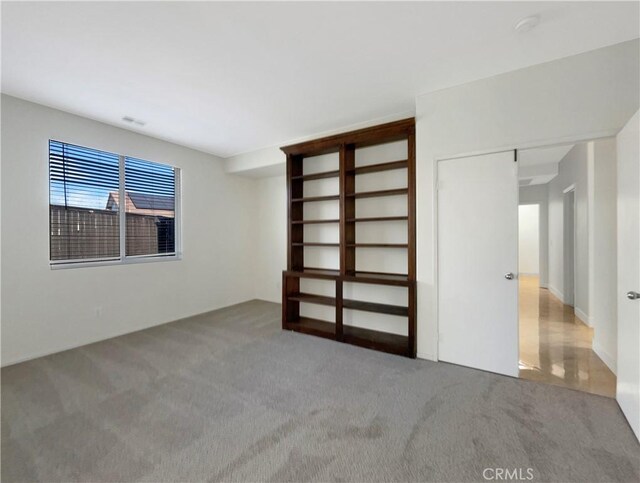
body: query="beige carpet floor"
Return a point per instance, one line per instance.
(228, 396)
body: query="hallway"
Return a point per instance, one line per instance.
(555, 346)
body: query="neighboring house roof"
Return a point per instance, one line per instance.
(143, 204)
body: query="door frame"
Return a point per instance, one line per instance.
(570, 189)
(436, 224)
(443, 156)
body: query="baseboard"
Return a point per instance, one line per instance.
(544, 285)
(426, 356)
(607, 358)
(38, 354)
(556, 293)
(582, 316)
(527, 274)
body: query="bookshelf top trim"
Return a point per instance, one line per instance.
(370, 136)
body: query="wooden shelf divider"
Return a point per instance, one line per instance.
(376, 307)
(375, 194)
(376, 168)
(315, 244)
(311, 199)
(377, 218)
(314, 176)
(312, 222)
(379, 245)
(346, 145)
(313, 299)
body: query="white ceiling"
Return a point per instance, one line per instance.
(538, 156)
(540, 165)
(229, 78)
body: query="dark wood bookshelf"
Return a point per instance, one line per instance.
(311, 222)
(375, 339)
(311, 177)
(376, 168)
(376, 194)
(376, 307)
(346, 145)
(316, 327)
(315, 244)
(311, 199)
(313, 299)
(377, 218)
(378, 245)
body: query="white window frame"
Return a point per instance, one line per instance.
(125, 259)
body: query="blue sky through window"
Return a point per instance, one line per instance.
(84, 177)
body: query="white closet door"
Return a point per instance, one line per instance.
(478, 262)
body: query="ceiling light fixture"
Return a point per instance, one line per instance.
(525, 24)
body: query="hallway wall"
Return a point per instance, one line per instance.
(573, 170)
(529, 239)
(603, 296)
(538, 194)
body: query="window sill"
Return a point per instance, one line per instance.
(123, 261)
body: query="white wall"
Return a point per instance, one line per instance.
(271, 254)
(576, 98)
(538, 195)
(529, 239)
(572, 170)
(48, 310)
(603, 297)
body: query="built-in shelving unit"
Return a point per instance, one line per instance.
(394, 339)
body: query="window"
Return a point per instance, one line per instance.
(88, 223)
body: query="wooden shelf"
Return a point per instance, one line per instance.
(319, 273)
(375, 307)
(317, 327)
(375, 194)
(311, 199)
(374, 339)
(308, 298)
(376, 168)
(376, 278)
(311, 177)
(378, 245)
(377, 218)
(293, 295)
(315, 244)
(312, 222)
(379, 278)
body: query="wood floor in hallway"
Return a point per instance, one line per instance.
(556, 346)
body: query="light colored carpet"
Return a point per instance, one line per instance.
(228, 396)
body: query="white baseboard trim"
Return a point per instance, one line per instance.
(426, 356)
(64, 348)
(556, 293)
(544, 285)
(606, 357)
(582, 316)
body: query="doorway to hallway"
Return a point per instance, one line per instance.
(561, 307)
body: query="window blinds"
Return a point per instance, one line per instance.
(150, 207)
(85, 206)
(80, 182)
